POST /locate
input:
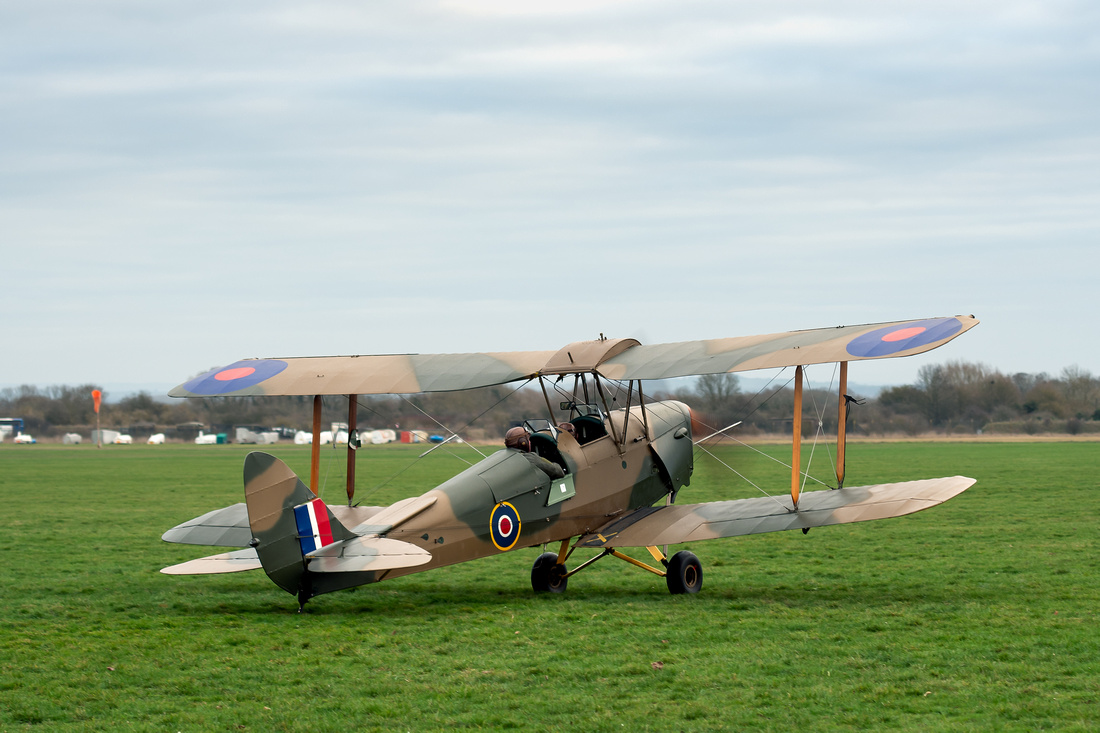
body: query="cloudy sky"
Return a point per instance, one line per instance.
(183, 184)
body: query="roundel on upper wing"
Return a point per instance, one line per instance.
(236, 376)
(903, 336)
(504, 526)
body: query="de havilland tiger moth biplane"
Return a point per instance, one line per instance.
(604, 478)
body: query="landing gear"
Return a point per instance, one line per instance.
(547, 576)
(684, 573)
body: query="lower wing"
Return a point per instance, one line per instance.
(671, 525)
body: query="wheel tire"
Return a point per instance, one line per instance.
(547, 576)
(685, 573)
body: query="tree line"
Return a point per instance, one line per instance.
(957, 397)
(952, 398)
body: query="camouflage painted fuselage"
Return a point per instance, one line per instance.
(609, 477)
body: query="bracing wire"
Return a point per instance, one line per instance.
(425, 414)
(820, 431)
(805, 474)
(376, 487)
(742, 476)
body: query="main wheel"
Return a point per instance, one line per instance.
(547, 576)
(685, 573)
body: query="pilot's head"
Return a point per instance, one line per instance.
(517, 438)
(568, 427)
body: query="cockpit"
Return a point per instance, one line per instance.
(585, 424)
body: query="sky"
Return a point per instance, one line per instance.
(184, 184)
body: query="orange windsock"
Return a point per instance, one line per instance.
(96, 397)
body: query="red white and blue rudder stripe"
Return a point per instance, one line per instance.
(314, 528)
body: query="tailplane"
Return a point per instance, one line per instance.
(295, 537)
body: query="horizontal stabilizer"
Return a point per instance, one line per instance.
(383, 521)
(226, 527)
(228, 562)
(366, 554)
(671, 525)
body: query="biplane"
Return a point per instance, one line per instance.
(589, 474)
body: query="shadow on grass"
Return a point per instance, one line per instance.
(446, 599)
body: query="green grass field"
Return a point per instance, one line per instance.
(980, 614)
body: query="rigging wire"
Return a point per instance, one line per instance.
(743, 477)
(820, 432)
(425, 414)
(372, 489)
(806, 475)
(753, 411)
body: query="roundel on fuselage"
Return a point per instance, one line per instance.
(504, 526)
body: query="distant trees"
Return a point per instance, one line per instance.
(52, 411)
(720, 396)
(979, 397)
(41, 408)
(956, 396)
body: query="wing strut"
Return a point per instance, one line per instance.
(607, 411)
(796, 442)
(353, 423)
(841, 424)
(315, 449)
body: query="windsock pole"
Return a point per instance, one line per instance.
(97, 396)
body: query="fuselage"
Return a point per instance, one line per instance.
(639, 459)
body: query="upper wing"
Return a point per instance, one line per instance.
(387, 374)
(612, 358)
(816, 346)
(671, 525)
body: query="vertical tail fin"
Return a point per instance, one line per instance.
(287, 521)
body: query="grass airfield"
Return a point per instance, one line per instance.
(980, 614)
